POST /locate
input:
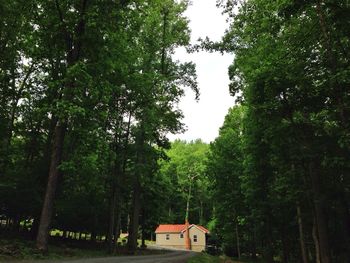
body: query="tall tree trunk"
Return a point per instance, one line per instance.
(165, 20)
(320, 217)
(254, 244)
(285, 245)
(201, 220)
(143, 240)
(316, 242)
(301, 235)
(46, 214)
(169, 212)
(117, 224)
(134, 218)
(237, 240)
(42, 179)
(74, 43)
(268, 250)
(9, 119)
(345, 216)
(136, 202)
(111, 228)
(120, 167)
(143, 234)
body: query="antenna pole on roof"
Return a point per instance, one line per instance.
(187, 238)
(187, 224)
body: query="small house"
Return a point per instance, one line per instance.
(174, 236)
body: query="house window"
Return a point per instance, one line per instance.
(181, 235)
(195, 238)
(167, 237)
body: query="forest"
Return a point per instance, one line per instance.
(90, 91)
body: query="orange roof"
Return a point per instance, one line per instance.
(170, 228)
(204, 229)
(178, 228)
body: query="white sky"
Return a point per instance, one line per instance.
(204, 118)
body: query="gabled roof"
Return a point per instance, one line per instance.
(201, 228)
(178, 228)
(170, 228)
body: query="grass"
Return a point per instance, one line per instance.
(150, 242)
(14, 247)
(18, 249)
(206, 258)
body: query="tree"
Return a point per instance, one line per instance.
(89, 92)
(184, 169)
(224, 169)
(288, 70)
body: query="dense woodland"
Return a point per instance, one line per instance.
(281, 164)
(89, 92)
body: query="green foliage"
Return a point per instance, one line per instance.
(186, 165)
(287, 75)
(205, 258)
(103, 72)
(11, 249)
(224, 170)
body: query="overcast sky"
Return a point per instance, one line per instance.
(204, 118)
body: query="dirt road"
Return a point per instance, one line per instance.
(171, 257)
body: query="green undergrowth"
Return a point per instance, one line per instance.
(17, 249)
(206, 258)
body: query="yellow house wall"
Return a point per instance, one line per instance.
(200, 244)
(176, 242)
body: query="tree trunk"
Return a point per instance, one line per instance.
(317, 245)
(134, 218)
(254, 244)
(35, 227)
(115, 207)
(17, 224)
(345, 215)
(285, 245)
(8, 223)
(111, 244)
(268, 250)
(136, 202)
(93, 237)
(201, 220)
(237, 240)
(117, 225)
(7, 136)
(73, 49)
(320, 217)
(119, 172)
(143, 238)
(46, 213)
(301, 235)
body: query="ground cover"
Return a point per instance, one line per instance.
(18, 248)
(206, 258)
